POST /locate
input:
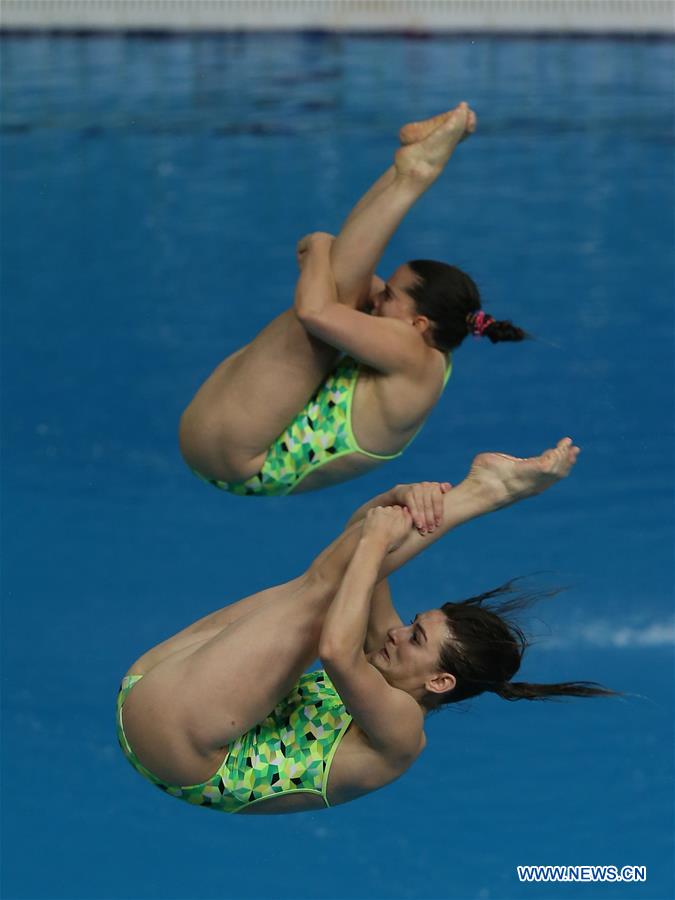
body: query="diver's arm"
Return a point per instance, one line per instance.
(425, 502)
(304, 244)
(390, 718)
(423, 499)
(377, 284)
(385, 344)
(316, 286)
(383, 616)
(329, 568)
(344, 628)
(385, 499)
(345, 625)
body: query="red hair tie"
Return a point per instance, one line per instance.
(478, 322)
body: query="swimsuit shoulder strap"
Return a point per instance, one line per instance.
(448, 368)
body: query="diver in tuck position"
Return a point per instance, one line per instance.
(346, 378)
(221, 715)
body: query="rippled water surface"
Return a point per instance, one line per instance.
(153, 191)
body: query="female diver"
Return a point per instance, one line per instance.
(288, 412)
(221, 715)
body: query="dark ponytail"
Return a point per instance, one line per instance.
(485, 650)
(521, 690)
(451, 301)
(503, 331)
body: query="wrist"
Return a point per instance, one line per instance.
(373, 543)
(386, 499)
(320, 243)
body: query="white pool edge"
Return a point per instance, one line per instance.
(624, 17)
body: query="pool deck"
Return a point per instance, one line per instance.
(528, 17)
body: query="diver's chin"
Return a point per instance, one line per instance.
(377, 658)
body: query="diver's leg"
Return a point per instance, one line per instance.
(201, 631)
(218, 683)
(250, 398)
(368, 229)
(383, 182)
(324, 573)
(228, 671)
(215, 680)
(201, 697)
(495, 480)
(411, 133)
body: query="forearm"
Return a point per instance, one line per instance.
(329, 569)
(316, 286)
(346, 623)
(386, 499)
(330, 565)
(462, 504)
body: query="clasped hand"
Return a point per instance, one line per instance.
(425, 502)
(412, 505)
(308, 242)
(390, 524)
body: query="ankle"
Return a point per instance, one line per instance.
(475, 496)
(412, 173)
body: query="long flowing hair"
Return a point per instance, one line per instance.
(486, 647)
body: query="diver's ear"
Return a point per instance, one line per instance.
(421, 324)
(441, 683)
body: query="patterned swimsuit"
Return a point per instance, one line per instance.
(321, 432)
(290, 751)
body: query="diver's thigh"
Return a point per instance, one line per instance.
(209, 625)
(231, 682)
(252, 396)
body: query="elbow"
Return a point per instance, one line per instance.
(304, 315)
(327, 652)
(312, 300)
(310, 318)
(304, 308)
(330, 650)
(336, 656)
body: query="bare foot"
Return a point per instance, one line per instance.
(417, 131)
(508, 478)
(427, 157)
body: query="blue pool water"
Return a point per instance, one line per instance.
(153, 191)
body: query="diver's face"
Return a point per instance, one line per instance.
(410, 654)
(394, 301)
